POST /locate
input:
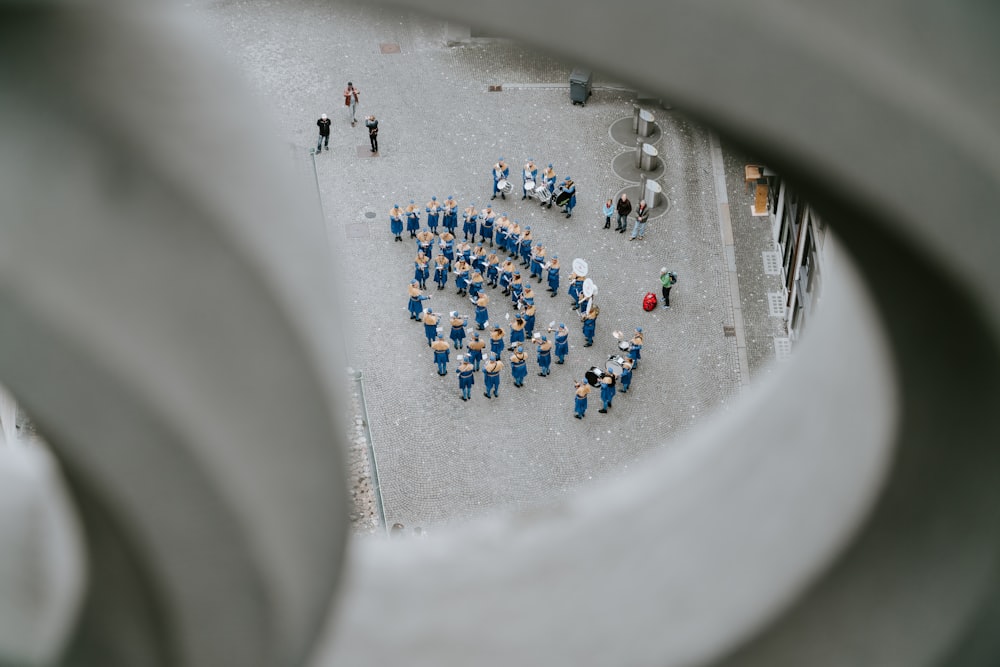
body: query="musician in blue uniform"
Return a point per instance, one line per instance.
(549, 177)
(526, 241)
(544, 357)
(482, 314)
(396, 221)
(420, 270)
(416, 296)
(537, 259)
(580, 400)
(607, 390)
(501, 232)
(529, 319)
(516, 288)
(441, 352)
(626, 375)
(457, 329)
(553, 275)
(470, 218)
(486, 221)
(447, 244)
(430, 321)
(517, 330)
(450, 219)
(412, 219)
(519, 366)
(496, 341)
(433, 215)
(562, 343)
(514, 239)
(528, 174)
(476, 347)
(491, 375)
(466, 377)
(575, 289)
(635, 351)
(479, 258)
(492, 269)
(589, 324)
(499, 172)
(462, 276)
(425, 243)
(569, 187)
(441, 268)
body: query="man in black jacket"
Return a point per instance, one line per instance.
(624, 208)
(372, 126)
(324, 133)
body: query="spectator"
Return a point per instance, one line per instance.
(624, 208)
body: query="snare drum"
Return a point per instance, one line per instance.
(529, 187)
(593, 376)
(543, 194)
(624, 345)
(616, 363)
(505, 186)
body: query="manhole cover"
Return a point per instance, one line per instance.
(388, 47)
(496, 89)
(369, 214)
(729, 331)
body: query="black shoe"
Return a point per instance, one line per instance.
(553, 295)
(621, 231)
(588, 344)
(569, 215)
(559, 362)
(578, 416)
(503, 196)
(602, 410)
(493, 197)
(486, 395)
(607, 226)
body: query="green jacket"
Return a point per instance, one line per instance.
(666, 280)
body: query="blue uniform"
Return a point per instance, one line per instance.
(441, 359)
(475, 288)
(635, 353)
(448, 250)
(516, 335)
(580, 405)
(544, 360)
(450, 219)
(571, 204)
(413, 222)
(433, 215)
(525, 251)
(421, 273)
(529, 324)
(516, 290)
(486, 230)
(496, 345)
(554, 280)
(589, 328)
(492, 274)
(469, 225)
(519, 370)
(462, 280)
(562, 347)
(441, 274)
(626, 379)
(536, 266)
(458, 335)
(396, 224)
(607, 394)
(492, 381)
(528, 175)
(430, 330)
(475, 357)
(415, 307)
(466, 378)
(574, 291)
(505, 278)
(502, 237)
(482, 316)
(426, 247)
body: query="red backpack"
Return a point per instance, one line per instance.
(649, 302)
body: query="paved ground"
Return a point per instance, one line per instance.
(440, 459)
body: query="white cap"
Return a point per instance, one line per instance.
(322, 115)
(663, 270)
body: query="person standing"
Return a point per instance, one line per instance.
(589, 324)
(441, 353)
(462, 277)
(528, 175)
(529, 319)
(420, 270)
(466, 377)
(492, 269)
(536, 259)
(544, 357)
(575, 289)
(607, 391)
(626, 375)
(457, 329)
(482, 314)
(491, 375)
(609, 210)
(416, 297)
(396, 221)
(412, 219)
(324, 133)
(517, 330)
(641, 216)
(496, 341)
(580, 401)
(519, 366)
(635, 350)
(624, 207)
(562, 343)
(569, 187)
(351, 96)
(372, 126)
(667, 280)
(430, 326)
(441, 268)
(553, 275)
(433, 215)
(486, 223)
(500, 171)
(450, 220)
(476, 347)
(469, 219)
(447, 244)
(549, 177)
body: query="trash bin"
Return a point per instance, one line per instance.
(579, 86)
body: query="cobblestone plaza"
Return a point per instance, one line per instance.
(441, 128)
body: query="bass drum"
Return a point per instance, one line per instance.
(562, 199)
(616, 364)
(543, 194)
(593, 376)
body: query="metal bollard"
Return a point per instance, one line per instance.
(639, 143)
(652, 192)
(646, 123)
(648, 159)
(635, 117)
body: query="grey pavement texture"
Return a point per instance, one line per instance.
(440, 459)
